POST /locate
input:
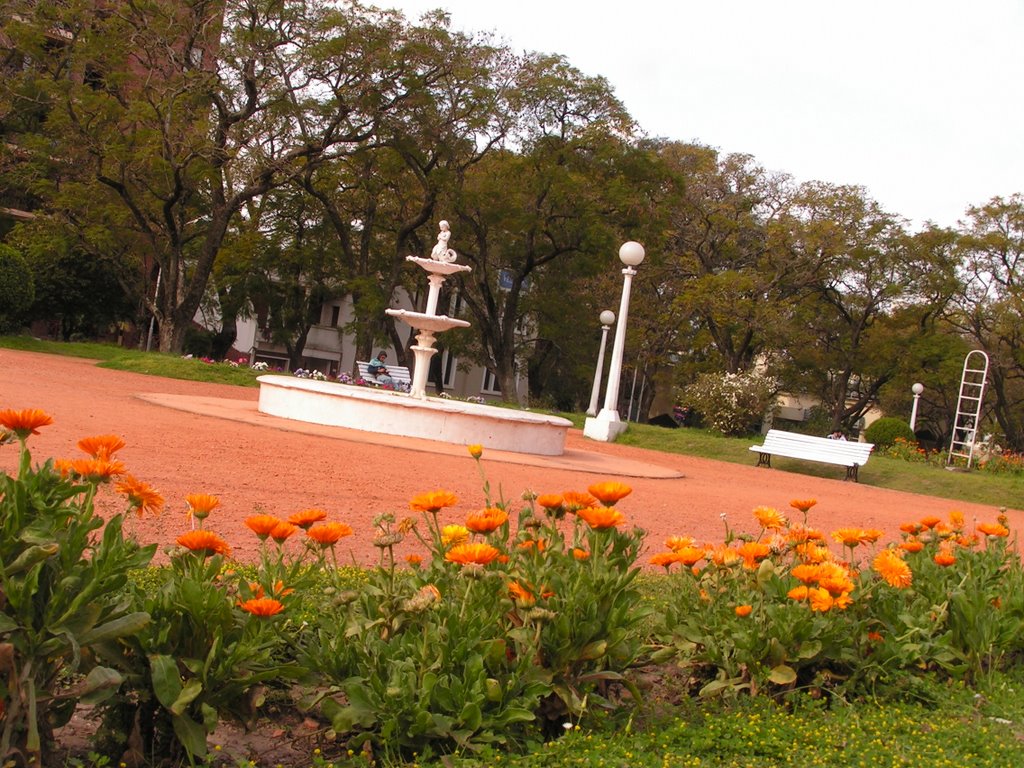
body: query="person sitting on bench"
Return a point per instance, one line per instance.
(379, 371)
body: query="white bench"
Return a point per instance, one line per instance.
(845, 453)
(398, 373)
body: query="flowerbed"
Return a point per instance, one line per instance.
(520, 617)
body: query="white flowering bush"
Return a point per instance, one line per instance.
(303, 373)
(261, 366)
(732, 402)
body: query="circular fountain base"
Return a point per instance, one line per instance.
(396, 413)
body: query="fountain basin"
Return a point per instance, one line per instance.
(424, 322)
(396, 413)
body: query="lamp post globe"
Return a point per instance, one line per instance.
(607, 317)
(631, 254)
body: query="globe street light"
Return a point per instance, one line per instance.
(917, 389)
(607, 425)
(607, 318)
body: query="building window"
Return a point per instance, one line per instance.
(449, 365)
(490, 385)
(335, 315)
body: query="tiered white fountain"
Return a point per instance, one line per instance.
(414, 414)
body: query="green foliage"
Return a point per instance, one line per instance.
(17, 290)
(64, 612)
(732, 403)
(884, 431)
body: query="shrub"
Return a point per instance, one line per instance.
(732, 403)
(16, 288)
(884, 432)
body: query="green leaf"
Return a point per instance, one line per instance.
(100, 684)
(166, 682)
(31, 557)
(471, 716)
(783, 674)
(123, 626)
(191, 734)
(188, 694)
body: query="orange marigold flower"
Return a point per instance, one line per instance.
(486, 520)
(453, 534)
(967, 540)
(799, 533)
(808, 574)
(753, 552)
(890, 566)
(820, 599)
(993, 529)
(521, 594)
(101, 446)
(283, 531)
(200, 505)
(601, 518)
(912, 545)
(580, 554)
(528, 544)
(475, 450)
(848, 537)
(204, 542)
(24, 422)
(875, 637)
(930, 522)
(609, 492)
(812, 553)
(770, 518)
(573, 500)
(675, 543)
(550, 500)
(141, 496)
(723, 555)
(944, 558)
(956, 519)
(414, 560)
(798, 593)
(871, 535)
(262, 525)
(97, 470)
(664, 559)
(690, 555)
(328, 534)
(307, 517)
(464, 554)
(64, 466)
(433, 501)
(262, 606)
(842, 601)
(803, 505)
(912, 528)
(743, 610)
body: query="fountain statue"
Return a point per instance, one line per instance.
(414, 414)
(440, 264)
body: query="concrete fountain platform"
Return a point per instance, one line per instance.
(398, 413)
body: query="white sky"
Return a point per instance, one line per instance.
(919, 101)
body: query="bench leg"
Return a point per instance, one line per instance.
(764, 460)
(851, 473)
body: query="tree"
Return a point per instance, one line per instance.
(16, 288)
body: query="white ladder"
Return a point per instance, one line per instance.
(968, 407)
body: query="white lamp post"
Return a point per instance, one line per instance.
(607, 425)
(607, 318)
(917, 389)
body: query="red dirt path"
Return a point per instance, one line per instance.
(282, 467)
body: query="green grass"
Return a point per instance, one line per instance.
(881, 471)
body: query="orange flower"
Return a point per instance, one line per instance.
(808, 574)
(601, 518)
(723, 555)
(201, 505)
(307, 517)
(414, 560)
(912, 545)
(25, 422)
(97, 470)
(327, 534)
(812, 553)
(550, 500)
(799, 533)
(521, 594)
(871, 535)
(993, 529)
(875, 637)
(752, 552)
(262, 525)
(486, 520)
(930, 522)
(675, 543)
(890, 566)
(848, 537)
(944, 557)
(529, 544)
(464, 554)
(433, 501)
(798, 593)
(262, 606)
(476, 450)
(690, 555)
(141, 496)
(609, 492)
(453, 534)
(204, 542)
(770, 518)
(803, 504)
(912, 528)
(820, 599)
(743, 610)
(101, 446)
(664, 559)
(956, 519)
(580, 554)
(283, 531)
(64, 466)
(573, 501)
